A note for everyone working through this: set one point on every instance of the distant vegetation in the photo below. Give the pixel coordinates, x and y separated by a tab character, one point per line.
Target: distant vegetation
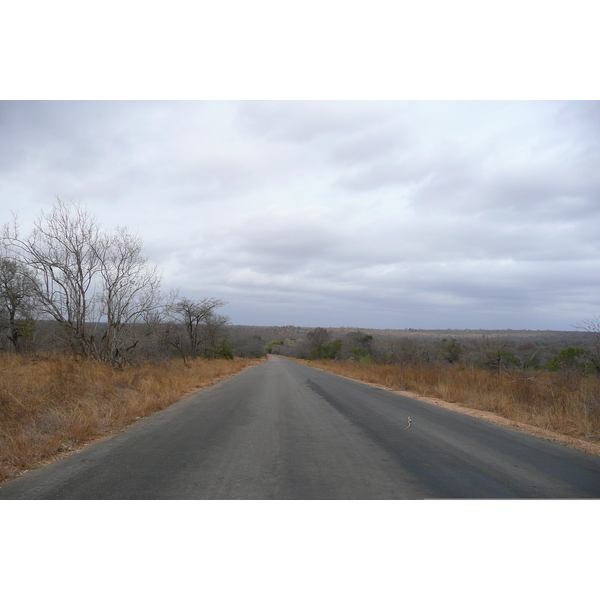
494	351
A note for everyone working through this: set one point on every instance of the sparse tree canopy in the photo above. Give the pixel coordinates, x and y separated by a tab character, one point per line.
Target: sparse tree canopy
318	336
62	252
84	277
205	330
130	290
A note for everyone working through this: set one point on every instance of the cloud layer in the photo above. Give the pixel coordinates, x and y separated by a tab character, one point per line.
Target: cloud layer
372	214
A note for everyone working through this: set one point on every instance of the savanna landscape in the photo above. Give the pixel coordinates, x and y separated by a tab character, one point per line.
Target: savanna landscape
54	401
91	343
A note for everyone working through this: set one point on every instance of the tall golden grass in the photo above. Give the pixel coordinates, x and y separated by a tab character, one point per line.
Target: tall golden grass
54	404
566	403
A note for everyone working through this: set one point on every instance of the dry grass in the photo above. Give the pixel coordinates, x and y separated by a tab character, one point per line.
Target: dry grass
558	402
53	405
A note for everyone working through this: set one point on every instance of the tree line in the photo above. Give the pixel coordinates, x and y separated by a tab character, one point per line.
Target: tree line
101	293
493	353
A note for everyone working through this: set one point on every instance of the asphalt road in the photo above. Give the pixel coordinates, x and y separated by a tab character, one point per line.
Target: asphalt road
282	430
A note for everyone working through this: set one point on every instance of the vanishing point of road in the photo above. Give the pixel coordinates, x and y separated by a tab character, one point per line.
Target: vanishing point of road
282	430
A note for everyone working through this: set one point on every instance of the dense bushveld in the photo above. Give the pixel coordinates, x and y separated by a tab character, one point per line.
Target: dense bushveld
52	404
538	348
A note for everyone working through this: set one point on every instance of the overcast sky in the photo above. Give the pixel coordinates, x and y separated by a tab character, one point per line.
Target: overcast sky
441	214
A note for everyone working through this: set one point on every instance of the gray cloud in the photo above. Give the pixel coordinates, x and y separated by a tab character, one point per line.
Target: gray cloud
383	174
302	122
395	214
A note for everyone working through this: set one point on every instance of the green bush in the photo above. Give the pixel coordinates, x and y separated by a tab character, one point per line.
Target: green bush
225	351
327	351
569	360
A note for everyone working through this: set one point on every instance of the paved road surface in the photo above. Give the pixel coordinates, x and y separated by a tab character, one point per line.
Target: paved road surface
282	430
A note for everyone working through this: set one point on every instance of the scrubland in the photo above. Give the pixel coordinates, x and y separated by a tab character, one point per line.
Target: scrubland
53	404
565	403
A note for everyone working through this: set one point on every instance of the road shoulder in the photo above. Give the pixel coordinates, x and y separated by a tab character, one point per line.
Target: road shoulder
490	417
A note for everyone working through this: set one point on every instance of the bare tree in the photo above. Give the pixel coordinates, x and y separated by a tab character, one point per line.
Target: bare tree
88	280
318	336
61	254
214	337
204	328
130	292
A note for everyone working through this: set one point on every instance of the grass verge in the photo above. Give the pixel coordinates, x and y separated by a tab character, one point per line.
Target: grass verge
54	405
564	404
